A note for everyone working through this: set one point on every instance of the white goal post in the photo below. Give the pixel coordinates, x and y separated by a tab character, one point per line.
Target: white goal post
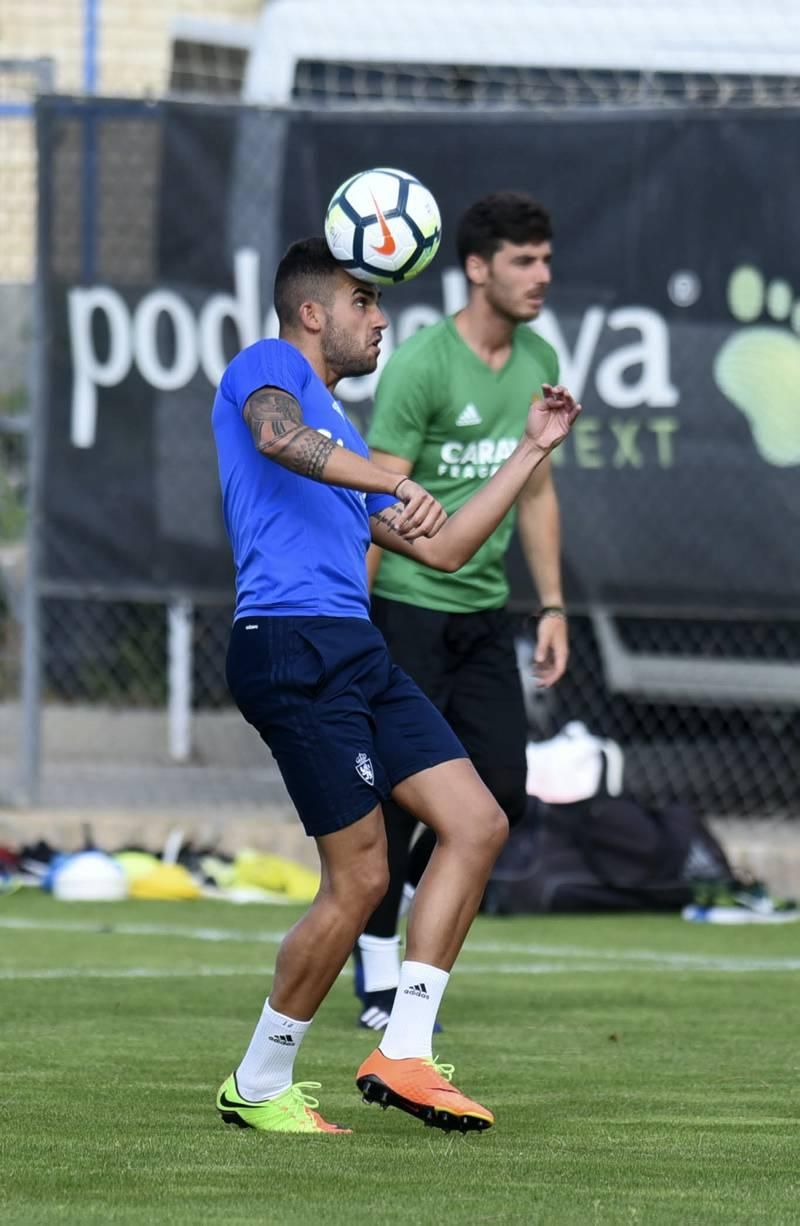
482	44
667	36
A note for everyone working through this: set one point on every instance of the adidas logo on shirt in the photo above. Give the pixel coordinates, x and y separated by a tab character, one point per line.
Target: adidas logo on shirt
469	416
418	989
285	1040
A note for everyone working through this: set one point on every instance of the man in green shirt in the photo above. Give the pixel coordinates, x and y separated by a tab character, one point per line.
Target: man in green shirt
451	405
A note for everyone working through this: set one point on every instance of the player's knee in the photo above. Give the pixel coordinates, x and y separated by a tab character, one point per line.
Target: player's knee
508	789
372	882
477	835
497	830
488	832
357	886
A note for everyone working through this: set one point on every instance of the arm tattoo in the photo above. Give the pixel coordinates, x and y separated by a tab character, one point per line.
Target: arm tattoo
276	423
388	516
308	453
271	414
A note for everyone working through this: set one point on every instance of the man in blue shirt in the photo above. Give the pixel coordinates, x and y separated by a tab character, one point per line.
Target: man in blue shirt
302	501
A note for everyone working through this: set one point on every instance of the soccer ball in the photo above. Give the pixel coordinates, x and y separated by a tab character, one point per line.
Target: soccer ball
383	226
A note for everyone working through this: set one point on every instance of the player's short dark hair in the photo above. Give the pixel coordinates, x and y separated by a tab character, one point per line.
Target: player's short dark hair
306	272
512	217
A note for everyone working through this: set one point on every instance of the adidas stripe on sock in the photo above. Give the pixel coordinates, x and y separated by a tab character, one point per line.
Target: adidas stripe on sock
374	1017
410	1029
268	1063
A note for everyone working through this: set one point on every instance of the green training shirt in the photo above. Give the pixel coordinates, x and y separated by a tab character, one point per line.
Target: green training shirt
439	406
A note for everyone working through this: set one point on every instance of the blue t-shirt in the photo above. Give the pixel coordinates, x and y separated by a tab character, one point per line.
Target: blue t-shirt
299	546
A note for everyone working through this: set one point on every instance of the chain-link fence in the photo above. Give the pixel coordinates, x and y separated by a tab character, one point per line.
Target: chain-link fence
723	753
322	82
110	740
134	709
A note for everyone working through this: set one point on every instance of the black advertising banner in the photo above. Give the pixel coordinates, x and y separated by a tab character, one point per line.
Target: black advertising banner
136	287
674	311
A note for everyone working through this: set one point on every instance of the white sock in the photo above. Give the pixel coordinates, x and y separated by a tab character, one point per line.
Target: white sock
380	957
266	1069
410	1029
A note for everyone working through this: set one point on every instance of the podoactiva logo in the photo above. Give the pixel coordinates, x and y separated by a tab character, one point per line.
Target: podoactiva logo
624	353
758	366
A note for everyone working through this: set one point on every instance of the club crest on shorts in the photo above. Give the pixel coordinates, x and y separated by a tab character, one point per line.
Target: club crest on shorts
364	768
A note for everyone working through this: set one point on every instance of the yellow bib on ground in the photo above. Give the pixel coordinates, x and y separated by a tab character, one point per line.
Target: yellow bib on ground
165	881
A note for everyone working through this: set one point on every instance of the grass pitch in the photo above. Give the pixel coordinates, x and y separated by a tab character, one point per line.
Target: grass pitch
642	1070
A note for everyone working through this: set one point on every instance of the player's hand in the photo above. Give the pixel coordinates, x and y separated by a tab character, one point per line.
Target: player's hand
552	650
550	417
419	514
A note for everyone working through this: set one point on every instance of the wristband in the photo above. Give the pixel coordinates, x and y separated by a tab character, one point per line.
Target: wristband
552	610
397	487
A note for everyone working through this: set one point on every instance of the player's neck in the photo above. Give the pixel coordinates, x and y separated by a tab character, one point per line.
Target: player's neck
488	334
313	355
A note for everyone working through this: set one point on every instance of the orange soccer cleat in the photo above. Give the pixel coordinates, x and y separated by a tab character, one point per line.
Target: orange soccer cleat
423	1089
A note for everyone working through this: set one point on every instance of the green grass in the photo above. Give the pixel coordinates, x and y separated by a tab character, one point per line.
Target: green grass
643	1070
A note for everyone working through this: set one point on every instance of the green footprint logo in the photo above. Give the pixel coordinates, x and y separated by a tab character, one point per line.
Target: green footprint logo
758	368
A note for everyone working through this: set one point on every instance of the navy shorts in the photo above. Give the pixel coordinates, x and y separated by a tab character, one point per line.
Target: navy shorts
344	724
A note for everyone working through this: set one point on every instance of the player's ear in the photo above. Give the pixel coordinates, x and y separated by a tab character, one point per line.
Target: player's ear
311	316
477	269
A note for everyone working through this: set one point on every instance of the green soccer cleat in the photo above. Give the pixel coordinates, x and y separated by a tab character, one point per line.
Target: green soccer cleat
292	1111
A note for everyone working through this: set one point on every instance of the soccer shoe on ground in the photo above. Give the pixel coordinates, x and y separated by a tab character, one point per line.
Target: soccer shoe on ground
423	1089
292	1111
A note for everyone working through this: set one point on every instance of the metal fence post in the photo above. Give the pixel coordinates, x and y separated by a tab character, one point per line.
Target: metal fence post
31	604
180	619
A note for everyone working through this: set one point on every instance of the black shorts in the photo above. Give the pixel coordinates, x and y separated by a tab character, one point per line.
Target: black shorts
466	663
345	725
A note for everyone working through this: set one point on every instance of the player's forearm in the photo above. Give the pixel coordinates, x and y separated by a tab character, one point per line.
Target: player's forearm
310	454
474	522
540	537
276	423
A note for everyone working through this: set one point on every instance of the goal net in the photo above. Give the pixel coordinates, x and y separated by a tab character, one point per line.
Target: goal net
646	53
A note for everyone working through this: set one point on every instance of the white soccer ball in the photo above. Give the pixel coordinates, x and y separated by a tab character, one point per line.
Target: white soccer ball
383	226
